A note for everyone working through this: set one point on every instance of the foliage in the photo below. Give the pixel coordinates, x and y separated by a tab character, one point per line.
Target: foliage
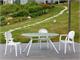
2	21
20	13
32	9
47	6
9	8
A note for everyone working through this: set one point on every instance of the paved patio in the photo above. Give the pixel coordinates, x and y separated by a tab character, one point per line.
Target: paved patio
41	54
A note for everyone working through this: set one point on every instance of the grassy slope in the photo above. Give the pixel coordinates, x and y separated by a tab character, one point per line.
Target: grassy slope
61	26
75	19
52	12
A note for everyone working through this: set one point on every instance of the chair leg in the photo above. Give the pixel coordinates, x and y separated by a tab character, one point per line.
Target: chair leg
40	44
59	46
73	48
54	46
29	47
47	43
69	46
20	48
10	49
26	47
65	48
16	50
5	49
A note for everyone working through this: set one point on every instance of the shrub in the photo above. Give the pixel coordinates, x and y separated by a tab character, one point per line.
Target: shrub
32	4
56	2
8	8
39	13
2	18
45	11
47	6
2	21
20	13
16	10
32	9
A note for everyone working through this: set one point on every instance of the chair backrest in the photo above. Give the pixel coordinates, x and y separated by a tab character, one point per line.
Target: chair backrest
8	37
43	31
71	35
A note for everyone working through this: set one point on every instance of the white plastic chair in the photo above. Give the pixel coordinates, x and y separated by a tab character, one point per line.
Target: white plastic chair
42	38
10	43
68	40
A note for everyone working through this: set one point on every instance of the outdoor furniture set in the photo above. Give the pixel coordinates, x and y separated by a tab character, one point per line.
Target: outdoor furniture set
42	35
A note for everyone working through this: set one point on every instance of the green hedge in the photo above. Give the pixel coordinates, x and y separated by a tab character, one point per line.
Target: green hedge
40	12
16	10
20	13
8	8
2	21
32	9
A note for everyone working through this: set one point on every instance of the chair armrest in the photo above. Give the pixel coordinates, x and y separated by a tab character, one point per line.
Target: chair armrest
62	35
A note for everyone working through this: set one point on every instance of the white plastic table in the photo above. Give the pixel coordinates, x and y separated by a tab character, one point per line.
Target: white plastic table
31	35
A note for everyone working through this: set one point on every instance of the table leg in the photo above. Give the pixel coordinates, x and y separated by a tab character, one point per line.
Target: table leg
53	46
26	47
29	47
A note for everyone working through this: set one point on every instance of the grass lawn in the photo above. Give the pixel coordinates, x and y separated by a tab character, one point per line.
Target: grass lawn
61	25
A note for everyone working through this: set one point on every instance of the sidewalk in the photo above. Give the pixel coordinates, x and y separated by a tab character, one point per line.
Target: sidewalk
41	54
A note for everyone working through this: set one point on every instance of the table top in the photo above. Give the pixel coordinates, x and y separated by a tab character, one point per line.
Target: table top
39	34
